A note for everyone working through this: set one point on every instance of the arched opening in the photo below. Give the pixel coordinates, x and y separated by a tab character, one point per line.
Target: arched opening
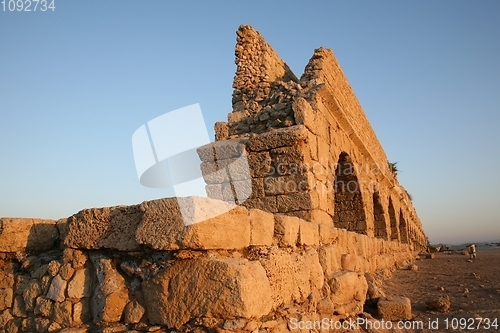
393	222
379	218
403	228
349	212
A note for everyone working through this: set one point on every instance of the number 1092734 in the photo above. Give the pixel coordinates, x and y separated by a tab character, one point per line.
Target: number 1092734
28	5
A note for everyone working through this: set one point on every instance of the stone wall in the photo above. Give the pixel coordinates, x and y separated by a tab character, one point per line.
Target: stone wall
139	268
311	150
312	215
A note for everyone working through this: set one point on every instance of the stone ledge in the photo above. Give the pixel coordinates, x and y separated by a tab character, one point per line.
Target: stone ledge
25	234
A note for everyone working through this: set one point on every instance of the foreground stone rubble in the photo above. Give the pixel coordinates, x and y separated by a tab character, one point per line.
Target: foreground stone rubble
281	255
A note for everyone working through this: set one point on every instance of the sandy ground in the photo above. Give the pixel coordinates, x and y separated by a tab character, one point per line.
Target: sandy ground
473	287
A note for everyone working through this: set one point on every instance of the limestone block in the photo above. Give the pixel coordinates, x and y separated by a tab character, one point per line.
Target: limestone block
221	150
6	278
25	234
348	290
292	276
304	114
163	226
81	312
133	312
80	284
293	202
62	227
308	233
214	191
53	267
63	313
221	130
349	262
213	173
267	204
19	308
395	308
221	288
41	324
77	258
6	298
57	289
327	233
66	271
43	307
282	137
109	228
5	317
258	190
259	164
329	258
261	227
32	290
321	217
111	294
286	230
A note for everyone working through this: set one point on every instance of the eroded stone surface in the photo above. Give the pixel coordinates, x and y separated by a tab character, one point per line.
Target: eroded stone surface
203	287
25	234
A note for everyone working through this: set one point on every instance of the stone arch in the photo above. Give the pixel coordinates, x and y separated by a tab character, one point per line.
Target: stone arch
393	221
403	228
379	218
349	212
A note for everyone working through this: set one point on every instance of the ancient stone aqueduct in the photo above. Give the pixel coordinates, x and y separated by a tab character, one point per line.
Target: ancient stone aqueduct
319	214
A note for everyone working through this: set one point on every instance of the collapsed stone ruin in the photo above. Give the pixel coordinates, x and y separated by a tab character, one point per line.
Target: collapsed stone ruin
313	213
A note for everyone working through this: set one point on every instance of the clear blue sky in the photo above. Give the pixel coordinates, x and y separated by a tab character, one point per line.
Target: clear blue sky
77	82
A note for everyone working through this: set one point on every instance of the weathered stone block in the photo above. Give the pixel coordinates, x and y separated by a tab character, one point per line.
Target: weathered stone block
133	312
111	294
57	289
293	202
350	262
282	137
6	298
286	230
221	130
321	217
163	226
32	290
109	227
63	313
304	114
395	308
293	276
261	227
267	204
327	234
80	284
43	307
221	150
259	164
25	234
223	288
329	258
348	291
308	233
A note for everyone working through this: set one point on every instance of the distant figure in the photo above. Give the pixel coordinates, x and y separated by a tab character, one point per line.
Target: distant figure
472	251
